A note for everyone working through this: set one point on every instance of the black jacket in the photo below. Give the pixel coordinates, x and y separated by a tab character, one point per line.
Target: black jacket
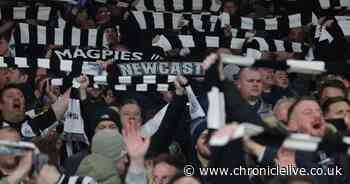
32	127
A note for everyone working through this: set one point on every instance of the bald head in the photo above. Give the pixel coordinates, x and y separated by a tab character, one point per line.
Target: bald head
250	83
305	116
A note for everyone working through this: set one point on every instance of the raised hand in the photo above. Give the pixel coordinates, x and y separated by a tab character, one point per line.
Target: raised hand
179	83
22	170
50	92
61	105
104	64
136	145
84	82
211	60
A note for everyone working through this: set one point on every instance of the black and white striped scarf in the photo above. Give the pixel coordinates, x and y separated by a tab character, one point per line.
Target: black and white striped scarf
68	36
178	5
291	65
41	13
268	24
64	179
167	21
169	42
326	4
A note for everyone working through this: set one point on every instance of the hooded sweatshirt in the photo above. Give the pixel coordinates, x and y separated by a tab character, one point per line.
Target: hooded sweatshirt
107	147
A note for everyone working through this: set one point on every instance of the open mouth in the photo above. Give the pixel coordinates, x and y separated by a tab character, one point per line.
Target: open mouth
16	106
317	126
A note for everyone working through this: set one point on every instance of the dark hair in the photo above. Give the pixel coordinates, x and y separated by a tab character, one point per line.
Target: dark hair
236	2
105	91
330	101
175	161
303	98
129	101
291	179
7	87
333	84
180	175
6	35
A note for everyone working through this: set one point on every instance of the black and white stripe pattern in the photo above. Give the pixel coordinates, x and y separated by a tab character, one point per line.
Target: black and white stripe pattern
178	5
144	87
64	179
188	41
68	36
145	79
326	4
124	87
149	21
155	57
240	33
262	44
295	66
114	80
169	42
268	24
77	66
42	13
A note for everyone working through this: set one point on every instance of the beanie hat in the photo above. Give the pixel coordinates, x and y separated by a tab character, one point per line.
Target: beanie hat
109	143
107	114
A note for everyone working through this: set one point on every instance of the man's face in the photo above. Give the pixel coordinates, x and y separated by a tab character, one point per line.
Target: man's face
103	15
111	36
267	76
4	47
162	173
130	113
307	118
202	146
8	163
3	77
103	125
167	96
329	92
281	79
13	103
109	98
296	35
93	92
40	73
186	180
338	110
250	84
14	76
230	8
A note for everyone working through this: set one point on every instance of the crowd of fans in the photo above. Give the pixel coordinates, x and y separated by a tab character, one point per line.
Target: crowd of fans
113	149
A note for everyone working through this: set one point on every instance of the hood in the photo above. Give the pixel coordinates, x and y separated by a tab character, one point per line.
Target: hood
100	168
108	143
